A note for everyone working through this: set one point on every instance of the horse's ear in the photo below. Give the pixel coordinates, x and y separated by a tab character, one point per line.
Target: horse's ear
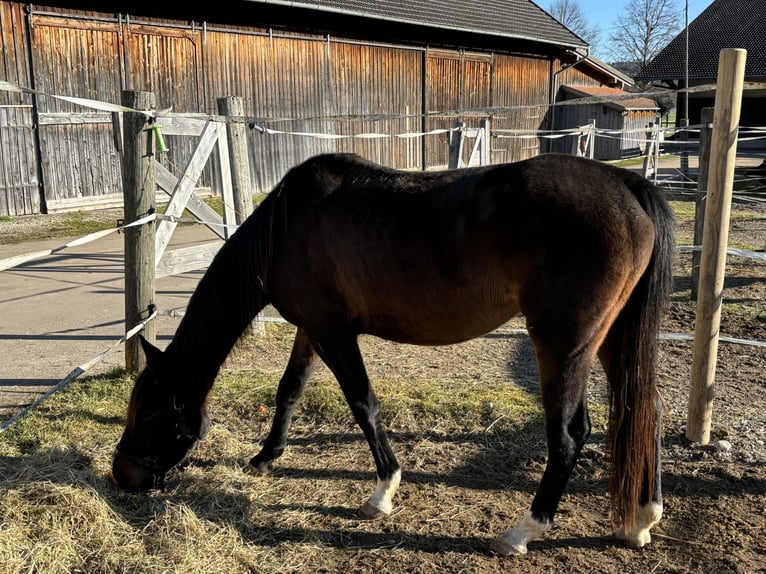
153	354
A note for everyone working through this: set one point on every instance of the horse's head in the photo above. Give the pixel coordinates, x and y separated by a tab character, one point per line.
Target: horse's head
163	424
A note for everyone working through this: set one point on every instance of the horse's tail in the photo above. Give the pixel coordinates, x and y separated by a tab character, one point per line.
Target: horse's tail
634	416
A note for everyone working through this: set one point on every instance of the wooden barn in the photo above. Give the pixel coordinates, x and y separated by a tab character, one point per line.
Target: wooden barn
621	119
324	68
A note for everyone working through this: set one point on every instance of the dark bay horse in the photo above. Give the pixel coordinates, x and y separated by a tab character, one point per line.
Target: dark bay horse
343	247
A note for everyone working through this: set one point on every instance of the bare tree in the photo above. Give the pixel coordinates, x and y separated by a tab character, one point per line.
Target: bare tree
569	13
644	28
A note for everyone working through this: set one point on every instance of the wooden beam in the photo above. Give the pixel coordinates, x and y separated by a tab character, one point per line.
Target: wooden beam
723	155
139	200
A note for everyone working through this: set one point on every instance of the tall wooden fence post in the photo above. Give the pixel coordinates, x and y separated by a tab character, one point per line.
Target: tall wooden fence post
723	155
233	109
485	151
455	139
139	191
706	133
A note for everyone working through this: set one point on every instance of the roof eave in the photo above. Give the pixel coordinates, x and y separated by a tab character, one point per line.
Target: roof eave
609	70
358	14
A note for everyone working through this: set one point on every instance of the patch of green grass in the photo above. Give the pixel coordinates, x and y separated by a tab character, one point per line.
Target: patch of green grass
216	203
746	246
747	216
744	312
89	409
460	407
629	162
78	223
682	208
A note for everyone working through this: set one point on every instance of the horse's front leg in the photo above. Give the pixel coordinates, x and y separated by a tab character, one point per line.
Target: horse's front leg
289	392
340	351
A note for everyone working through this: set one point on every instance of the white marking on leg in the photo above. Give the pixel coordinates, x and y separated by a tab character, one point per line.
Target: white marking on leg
381	502
514	540
646	517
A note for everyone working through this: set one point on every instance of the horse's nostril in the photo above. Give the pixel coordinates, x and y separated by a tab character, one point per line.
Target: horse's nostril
131	476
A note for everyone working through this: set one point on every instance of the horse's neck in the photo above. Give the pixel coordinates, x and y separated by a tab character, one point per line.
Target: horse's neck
224	303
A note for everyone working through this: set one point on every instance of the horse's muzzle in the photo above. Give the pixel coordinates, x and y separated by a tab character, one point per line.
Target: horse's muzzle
133	476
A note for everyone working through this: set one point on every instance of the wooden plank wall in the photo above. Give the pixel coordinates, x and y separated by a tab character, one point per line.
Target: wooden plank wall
520	83
454	81
19	182
332	87
567	115
14	66
288	82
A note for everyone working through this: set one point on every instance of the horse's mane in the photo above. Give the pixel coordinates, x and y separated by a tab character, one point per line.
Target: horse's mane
228	297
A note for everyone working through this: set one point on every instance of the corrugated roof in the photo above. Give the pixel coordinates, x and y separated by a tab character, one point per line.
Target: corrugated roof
624	102
723	24
518	19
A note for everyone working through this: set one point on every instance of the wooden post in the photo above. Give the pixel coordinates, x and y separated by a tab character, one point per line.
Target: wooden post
456	139
484	150
650	165
723	154
139	190
232	108
706	133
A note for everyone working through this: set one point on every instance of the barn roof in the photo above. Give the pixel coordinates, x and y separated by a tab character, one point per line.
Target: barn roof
624	103
516	19
723	24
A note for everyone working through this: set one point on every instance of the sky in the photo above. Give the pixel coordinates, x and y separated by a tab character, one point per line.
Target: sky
603	13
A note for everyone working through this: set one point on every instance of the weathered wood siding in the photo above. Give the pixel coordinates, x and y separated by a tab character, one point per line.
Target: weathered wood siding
77	156
296	83
607	146
332	88
19	181
19	184
522	85
454	81
563	115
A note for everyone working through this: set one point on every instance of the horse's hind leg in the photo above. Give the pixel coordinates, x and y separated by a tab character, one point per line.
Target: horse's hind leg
563	380
289	392
340	351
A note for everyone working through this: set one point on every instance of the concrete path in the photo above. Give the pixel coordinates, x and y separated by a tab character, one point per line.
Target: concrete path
62	311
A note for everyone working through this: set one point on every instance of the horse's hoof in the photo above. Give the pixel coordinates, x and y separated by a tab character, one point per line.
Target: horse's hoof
370	512
648	516
259	468
506	548
637	539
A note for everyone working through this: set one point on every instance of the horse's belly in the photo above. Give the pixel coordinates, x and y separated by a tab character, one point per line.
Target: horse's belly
436	322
